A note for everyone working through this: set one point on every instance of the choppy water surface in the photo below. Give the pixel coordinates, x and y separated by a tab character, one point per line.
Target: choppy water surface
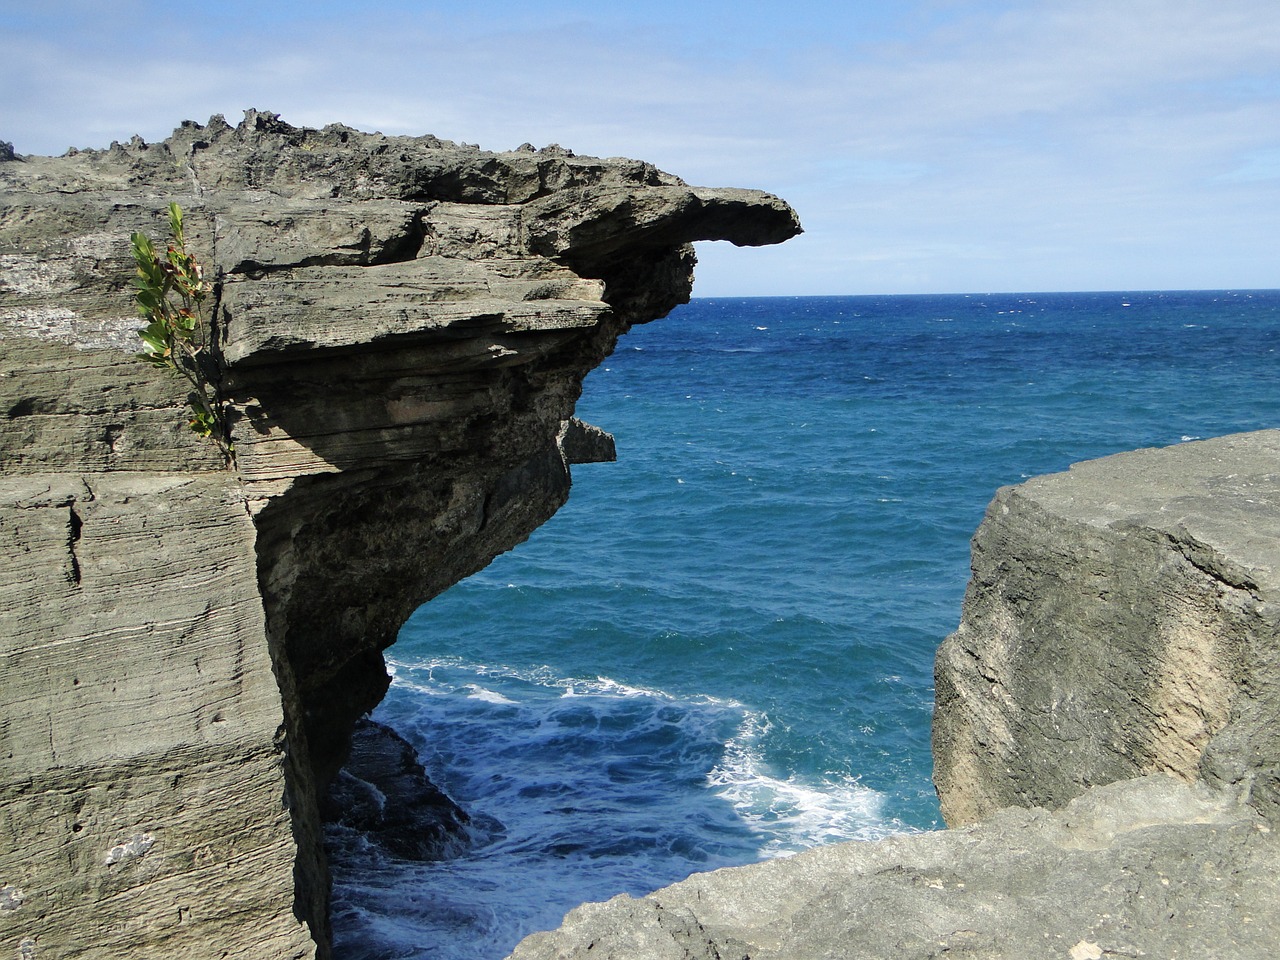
721	648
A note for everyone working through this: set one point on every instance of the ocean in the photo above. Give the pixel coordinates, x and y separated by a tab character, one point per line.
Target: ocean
721	649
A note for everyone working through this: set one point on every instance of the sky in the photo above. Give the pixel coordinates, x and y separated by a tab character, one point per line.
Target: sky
929	146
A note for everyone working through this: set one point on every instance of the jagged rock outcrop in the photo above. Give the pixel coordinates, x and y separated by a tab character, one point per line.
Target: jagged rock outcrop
1122	619
1118	662
404	325
383	793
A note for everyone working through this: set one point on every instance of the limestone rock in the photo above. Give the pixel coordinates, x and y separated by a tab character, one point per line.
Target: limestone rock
142	789
403	326
1122	619
1148	867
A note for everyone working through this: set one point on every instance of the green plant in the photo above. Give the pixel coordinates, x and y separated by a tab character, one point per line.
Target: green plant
171	291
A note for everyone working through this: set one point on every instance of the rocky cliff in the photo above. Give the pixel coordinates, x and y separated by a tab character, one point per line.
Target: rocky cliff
402	327
1106	741
1122	619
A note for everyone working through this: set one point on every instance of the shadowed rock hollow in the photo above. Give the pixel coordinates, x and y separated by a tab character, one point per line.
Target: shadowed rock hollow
404	325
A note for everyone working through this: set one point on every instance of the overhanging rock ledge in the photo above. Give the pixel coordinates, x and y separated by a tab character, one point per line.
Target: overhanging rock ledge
404	325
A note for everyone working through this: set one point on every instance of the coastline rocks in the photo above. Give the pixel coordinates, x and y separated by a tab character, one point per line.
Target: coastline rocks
403	326
1122	619
144	807
382	792
1149	867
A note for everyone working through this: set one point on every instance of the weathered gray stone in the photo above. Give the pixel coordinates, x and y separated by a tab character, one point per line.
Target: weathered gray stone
141	781
1122	619
1145	868
403	326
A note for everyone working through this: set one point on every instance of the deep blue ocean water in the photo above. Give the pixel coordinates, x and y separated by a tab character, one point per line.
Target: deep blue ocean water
721	649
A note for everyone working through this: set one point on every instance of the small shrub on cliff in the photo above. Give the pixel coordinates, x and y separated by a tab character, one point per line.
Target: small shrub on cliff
171	291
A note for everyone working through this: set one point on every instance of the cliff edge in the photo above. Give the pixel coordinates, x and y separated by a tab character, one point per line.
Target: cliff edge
402	327
1122	619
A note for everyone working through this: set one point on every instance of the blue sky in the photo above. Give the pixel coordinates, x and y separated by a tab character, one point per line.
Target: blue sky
929	145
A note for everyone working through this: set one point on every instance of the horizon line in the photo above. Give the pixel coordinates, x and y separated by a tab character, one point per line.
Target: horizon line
988	293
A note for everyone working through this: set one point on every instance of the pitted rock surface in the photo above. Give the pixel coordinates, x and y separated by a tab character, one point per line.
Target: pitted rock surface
1144	868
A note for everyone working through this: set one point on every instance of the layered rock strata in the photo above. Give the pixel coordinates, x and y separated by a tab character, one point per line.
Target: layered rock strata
403	326
1122	619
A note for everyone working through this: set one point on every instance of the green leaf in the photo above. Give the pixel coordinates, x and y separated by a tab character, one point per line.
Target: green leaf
149	301
144	252
154	333
144	255
155	336
175	223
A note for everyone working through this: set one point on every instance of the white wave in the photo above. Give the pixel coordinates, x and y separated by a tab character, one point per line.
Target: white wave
437	675
599	787
488	696
604	686
793	814
785	812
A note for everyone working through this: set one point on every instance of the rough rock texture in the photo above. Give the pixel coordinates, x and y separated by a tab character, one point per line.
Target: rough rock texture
142	797
1122	619
404	326
383	792
1145	868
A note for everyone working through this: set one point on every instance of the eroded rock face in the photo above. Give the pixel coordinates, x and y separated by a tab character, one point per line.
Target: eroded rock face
1122	619
404	326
